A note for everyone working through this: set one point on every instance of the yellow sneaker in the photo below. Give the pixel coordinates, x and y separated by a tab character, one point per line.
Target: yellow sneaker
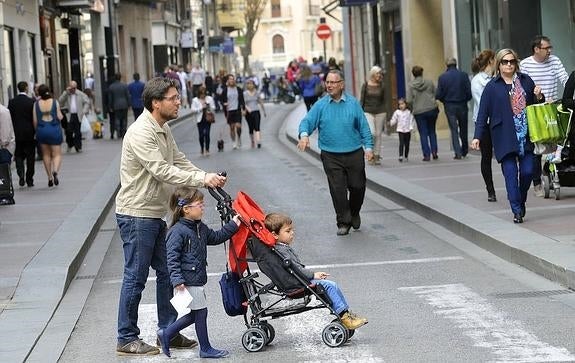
352	321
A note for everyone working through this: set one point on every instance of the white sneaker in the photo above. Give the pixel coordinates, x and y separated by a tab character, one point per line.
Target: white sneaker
538	190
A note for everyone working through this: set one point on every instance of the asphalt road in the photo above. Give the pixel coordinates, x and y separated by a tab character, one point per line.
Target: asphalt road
429	295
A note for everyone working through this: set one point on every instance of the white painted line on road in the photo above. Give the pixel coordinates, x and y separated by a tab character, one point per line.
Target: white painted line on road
340	265
487	327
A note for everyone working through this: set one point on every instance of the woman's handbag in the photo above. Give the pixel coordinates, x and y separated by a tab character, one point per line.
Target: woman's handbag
543	123
210	117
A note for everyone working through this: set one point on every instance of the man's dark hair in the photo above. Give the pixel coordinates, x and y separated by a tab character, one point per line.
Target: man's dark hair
118	76
417	71
136	76
536	42
22	86
156	89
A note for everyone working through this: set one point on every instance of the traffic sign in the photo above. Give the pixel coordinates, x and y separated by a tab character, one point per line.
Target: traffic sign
323	31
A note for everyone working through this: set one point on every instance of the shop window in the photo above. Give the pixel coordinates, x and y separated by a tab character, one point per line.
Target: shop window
9	76
278	44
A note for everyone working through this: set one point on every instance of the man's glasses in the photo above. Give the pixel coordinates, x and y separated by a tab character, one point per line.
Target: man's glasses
509	61
549	48
329	83
174	98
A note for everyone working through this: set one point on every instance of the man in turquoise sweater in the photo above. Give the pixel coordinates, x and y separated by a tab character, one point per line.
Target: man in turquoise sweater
344	135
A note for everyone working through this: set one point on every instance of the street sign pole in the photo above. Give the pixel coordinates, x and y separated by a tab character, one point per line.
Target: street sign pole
324	53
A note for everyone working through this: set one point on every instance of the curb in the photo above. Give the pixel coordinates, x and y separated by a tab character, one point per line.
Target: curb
46	278
533	251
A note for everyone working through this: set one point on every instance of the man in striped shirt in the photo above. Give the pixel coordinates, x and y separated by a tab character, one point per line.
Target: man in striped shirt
547	71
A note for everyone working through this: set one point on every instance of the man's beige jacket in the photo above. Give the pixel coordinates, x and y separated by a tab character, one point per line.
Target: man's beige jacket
151	165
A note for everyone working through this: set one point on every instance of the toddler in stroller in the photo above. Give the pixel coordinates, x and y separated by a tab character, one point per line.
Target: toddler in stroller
281	227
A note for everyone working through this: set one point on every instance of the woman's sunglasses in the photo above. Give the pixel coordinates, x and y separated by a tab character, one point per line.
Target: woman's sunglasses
509	61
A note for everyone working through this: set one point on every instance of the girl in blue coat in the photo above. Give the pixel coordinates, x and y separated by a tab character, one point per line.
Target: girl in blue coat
502	110
186	243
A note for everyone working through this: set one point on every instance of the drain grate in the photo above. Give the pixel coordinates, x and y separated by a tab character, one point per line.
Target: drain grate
527	294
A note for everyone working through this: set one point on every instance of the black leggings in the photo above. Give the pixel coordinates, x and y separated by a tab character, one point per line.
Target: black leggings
253	119
404	139
486	156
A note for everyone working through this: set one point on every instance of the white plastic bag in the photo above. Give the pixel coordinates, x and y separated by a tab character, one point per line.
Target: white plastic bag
85	127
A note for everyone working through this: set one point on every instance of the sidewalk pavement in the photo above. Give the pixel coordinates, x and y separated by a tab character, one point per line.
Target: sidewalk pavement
45	235
452	193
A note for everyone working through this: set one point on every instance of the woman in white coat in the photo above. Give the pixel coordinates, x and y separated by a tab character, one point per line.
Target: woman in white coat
203	108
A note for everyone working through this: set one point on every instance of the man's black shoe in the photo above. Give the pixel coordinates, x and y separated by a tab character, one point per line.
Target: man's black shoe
343	230
517	218
491	198
355	221
22	182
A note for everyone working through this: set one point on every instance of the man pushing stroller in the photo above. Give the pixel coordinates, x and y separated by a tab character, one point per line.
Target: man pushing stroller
280	226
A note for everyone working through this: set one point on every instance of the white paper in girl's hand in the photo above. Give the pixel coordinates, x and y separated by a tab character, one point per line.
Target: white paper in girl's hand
181	301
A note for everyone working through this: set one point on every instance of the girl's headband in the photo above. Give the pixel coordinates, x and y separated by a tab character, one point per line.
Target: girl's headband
182	202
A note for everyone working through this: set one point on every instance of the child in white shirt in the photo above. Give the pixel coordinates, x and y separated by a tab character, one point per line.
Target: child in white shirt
405	121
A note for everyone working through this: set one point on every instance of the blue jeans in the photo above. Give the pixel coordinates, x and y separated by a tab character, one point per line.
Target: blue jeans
144	246
427	136
338	302
518	173
457	118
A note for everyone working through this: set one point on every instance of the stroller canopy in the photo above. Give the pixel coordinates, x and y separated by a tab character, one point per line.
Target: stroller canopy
252	218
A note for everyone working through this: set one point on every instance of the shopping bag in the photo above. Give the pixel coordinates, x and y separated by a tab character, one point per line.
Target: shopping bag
233	295
543	123
85	125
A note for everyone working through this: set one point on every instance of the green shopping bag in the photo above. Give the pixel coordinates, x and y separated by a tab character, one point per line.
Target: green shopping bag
563	117
543	123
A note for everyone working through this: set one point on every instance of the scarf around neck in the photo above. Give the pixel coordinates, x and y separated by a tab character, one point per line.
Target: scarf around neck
518	104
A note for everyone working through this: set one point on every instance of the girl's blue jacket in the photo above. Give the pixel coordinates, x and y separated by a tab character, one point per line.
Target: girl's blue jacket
186	244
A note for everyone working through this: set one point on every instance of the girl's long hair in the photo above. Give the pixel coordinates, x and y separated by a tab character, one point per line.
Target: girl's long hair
183	196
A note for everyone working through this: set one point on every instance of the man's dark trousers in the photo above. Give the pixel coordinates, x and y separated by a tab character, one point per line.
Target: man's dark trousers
25	152
456	113
73	135
345	174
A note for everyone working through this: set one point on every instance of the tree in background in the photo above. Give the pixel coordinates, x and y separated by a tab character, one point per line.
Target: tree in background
252	14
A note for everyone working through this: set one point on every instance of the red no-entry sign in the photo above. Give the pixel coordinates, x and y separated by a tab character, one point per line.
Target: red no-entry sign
323	31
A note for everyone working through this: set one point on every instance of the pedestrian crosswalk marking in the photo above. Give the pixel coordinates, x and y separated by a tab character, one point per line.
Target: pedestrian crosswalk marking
488	327
342	265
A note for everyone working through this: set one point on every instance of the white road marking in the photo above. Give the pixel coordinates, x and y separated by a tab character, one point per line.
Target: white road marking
487	327
340	265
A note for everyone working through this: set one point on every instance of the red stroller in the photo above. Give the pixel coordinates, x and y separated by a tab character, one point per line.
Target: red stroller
254	238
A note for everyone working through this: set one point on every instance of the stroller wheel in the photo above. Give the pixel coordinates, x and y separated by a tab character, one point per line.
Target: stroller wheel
334	335
350	332
254	339
270	331
546	181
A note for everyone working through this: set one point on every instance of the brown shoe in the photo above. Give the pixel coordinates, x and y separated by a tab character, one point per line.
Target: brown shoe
136	347
180	342
352	321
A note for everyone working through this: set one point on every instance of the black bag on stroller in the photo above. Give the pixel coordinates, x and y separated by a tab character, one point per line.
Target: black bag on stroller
232	294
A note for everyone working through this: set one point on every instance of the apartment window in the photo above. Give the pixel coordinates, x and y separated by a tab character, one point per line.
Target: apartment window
31	47
276	8
9	75
278	44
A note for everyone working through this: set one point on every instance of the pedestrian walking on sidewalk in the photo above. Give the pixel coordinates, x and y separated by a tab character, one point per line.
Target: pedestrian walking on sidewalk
150	164
373	103
201	107
502	110
136	88
47	117
547	71
252	113
77	105
232	99
421	97
119	100
187	242
454	91
404	120
343	135
7	146
484	67
22	112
